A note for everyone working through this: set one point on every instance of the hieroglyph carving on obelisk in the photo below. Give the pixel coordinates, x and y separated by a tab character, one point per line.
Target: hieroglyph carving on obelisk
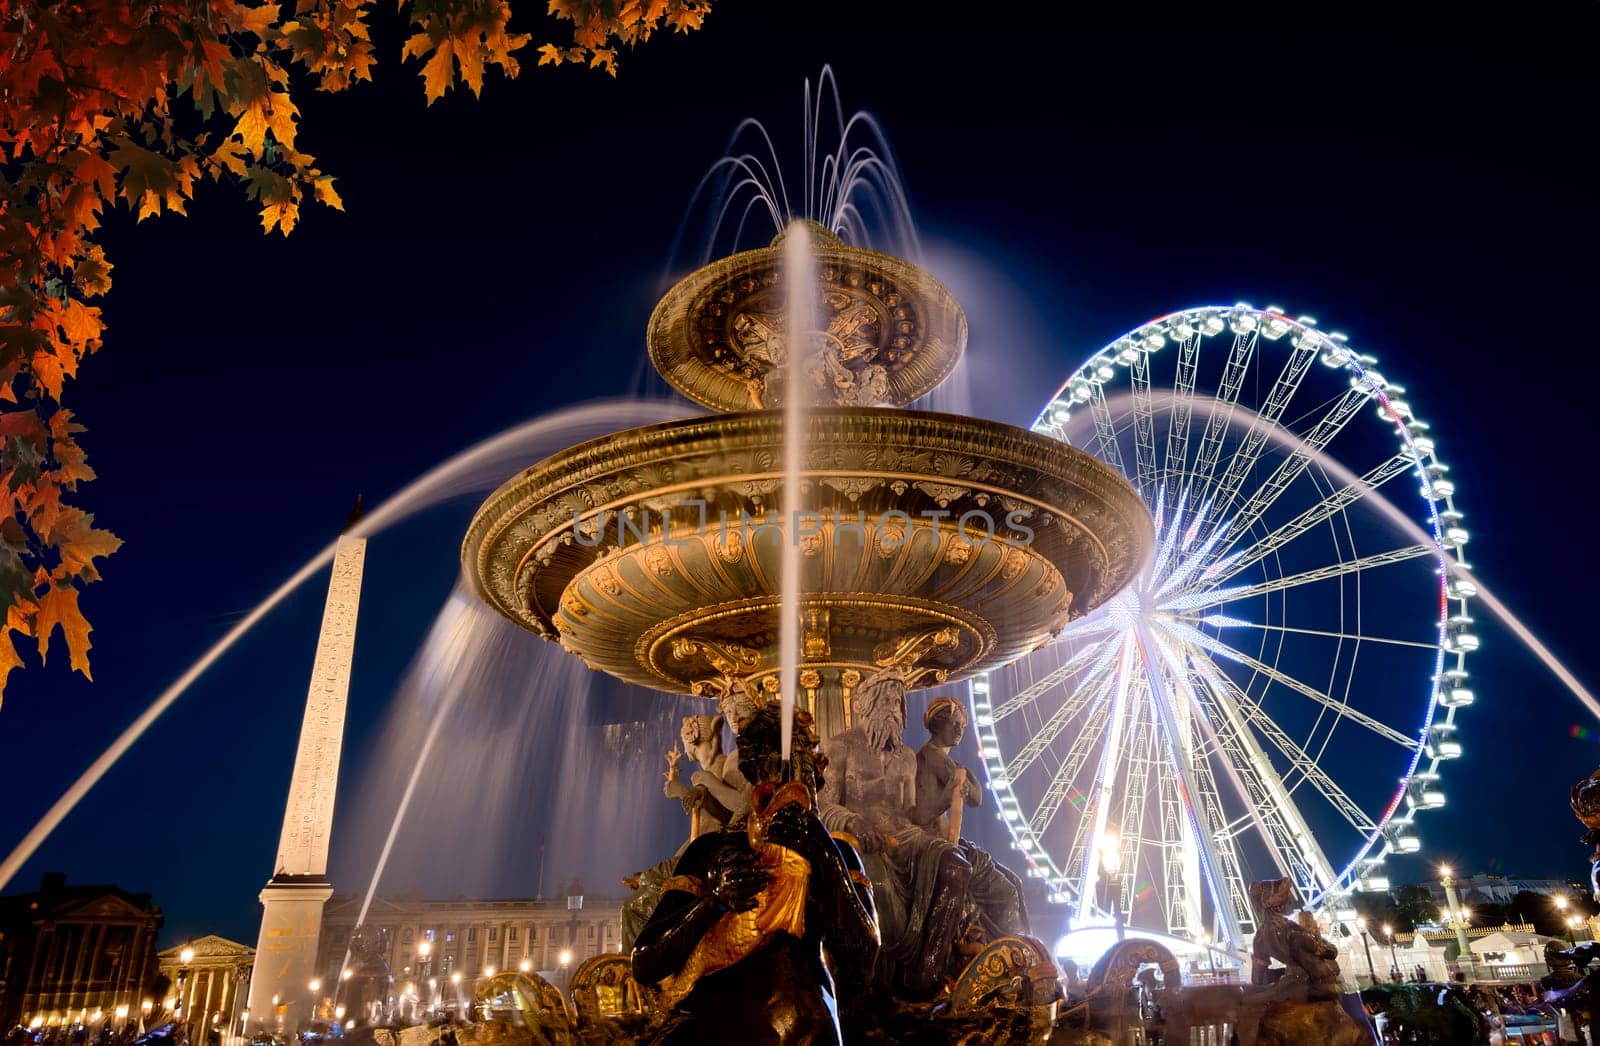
308	819
282	999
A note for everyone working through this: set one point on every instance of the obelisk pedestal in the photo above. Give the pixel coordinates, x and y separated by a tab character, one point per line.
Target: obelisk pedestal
282	999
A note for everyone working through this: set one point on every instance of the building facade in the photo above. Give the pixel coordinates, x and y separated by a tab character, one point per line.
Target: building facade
76	954
208	982
430	941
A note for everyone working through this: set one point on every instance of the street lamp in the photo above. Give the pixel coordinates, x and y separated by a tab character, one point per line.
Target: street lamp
1450	900
185	957
565	958
525	966
1394	960
1366	944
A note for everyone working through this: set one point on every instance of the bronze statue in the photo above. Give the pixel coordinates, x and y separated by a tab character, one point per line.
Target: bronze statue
715	794
735	949
922	884
1309	960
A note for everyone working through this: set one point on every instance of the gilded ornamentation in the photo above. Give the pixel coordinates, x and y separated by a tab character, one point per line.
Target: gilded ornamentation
606	582
603	986
1016	563
810	678
890	332
731	549
659	560
957	552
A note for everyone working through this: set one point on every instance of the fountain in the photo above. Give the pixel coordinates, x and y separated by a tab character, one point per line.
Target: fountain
816	546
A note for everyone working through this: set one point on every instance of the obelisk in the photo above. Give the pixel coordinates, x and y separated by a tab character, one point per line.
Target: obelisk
281	997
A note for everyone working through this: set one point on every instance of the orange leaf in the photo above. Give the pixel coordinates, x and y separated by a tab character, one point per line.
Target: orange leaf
549	54
8	661
437	74
59	606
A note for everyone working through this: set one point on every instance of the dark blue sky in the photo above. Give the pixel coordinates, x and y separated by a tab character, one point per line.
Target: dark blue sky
1427	188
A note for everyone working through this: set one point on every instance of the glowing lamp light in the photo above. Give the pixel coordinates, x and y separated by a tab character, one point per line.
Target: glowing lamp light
186	956
1560	902
565	957
1444	871
423	948
338	1013
525	966
488	971
122	1012
455	978
346	973
315	985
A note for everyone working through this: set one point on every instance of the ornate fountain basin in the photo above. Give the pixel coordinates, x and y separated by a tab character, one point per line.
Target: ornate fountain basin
654	554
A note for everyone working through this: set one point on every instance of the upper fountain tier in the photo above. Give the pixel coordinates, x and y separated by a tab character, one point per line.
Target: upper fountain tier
888	331
943	545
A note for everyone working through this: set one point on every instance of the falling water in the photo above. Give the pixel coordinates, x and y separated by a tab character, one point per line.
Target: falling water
1396	515
800	293
478	468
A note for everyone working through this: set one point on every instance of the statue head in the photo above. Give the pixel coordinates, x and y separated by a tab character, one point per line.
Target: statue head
738	705
1273	895
880	706
702	737
760	744
946	720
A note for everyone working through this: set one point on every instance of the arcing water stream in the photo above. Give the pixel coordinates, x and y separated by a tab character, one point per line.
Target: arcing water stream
1395	515
478	468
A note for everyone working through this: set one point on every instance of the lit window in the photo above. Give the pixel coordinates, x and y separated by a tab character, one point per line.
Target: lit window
472	934
533	934
511	933
494	933
591	933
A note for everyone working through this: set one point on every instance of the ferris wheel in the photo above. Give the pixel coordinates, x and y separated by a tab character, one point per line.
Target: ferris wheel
1275	695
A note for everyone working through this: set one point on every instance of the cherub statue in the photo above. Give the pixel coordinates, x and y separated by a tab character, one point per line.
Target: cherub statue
1308	958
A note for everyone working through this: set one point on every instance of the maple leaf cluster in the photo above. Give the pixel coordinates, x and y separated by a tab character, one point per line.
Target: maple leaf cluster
136	101
600	27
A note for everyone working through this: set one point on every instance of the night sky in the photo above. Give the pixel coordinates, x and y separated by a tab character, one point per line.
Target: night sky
1429	189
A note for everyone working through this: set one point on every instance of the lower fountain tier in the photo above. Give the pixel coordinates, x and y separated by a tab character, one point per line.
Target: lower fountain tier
654	554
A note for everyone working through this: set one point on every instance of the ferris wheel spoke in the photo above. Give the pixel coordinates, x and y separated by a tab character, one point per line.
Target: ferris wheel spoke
1223	403
1244	461
1144	426
1072	765
1220	596
1136	789
1214	820
1353	636
1288	470
1300	761
1040	742
1280	822
1340	708
1308	520
1175	463
1052	679
1105	432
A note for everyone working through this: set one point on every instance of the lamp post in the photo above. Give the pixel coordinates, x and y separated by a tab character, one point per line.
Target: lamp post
1366	944
1573	922
1394	960
185	957
566	960
1451	901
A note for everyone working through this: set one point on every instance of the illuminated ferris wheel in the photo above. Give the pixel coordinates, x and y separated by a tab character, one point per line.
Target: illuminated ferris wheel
1276	694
